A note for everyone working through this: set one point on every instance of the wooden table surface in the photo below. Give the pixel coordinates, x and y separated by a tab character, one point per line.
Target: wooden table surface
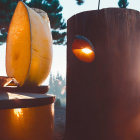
9	100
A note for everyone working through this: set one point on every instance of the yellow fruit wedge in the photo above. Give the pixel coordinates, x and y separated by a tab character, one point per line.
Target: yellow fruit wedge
29	46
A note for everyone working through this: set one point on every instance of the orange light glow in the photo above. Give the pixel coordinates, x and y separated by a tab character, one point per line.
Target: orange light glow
85	55
82	48
86	50
18	112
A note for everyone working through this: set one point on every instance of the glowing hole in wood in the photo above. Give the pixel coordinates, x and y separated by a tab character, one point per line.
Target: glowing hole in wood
18	112
83	49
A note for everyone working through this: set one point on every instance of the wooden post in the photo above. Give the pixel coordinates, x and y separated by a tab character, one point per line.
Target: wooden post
103	97
26	116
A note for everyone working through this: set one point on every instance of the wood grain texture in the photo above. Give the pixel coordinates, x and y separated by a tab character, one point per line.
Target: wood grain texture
35	123
103	97
25	89
10	100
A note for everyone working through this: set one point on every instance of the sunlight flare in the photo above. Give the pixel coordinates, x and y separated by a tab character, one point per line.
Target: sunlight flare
18	112
86	50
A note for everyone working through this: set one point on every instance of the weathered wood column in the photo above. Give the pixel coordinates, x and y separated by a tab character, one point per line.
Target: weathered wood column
103	97
26	116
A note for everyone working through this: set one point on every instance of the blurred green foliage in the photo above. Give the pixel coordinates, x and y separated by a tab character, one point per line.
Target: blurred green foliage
80	2
53	9
57	87
123	3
